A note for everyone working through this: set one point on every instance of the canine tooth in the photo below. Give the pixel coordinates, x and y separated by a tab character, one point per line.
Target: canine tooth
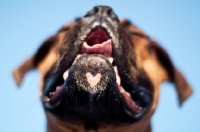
78	56
65	75
111	60
118	79
51	94
140	108
136	116
128	112
46	99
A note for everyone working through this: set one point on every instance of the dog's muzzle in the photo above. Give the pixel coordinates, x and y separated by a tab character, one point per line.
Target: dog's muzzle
93	80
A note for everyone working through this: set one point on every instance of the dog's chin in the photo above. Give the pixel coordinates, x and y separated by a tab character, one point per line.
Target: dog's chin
91	88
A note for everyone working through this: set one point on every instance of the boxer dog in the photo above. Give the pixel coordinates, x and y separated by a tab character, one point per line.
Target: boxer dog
101	74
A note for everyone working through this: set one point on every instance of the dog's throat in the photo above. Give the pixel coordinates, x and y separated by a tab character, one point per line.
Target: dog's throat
97	37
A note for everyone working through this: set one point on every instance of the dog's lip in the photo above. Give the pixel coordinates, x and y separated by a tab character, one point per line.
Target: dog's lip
54	98
131	107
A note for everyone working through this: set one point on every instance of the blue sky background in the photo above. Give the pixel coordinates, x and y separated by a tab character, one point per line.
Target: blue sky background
24	25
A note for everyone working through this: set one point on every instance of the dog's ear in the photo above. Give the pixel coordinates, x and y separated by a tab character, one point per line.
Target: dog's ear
182	87
33	61
36	60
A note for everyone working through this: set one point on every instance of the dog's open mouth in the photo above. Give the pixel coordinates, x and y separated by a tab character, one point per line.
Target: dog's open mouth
96	49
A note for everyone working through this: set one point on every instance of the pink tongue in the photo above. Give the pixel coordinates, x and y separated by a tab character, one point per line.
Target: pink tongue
105	48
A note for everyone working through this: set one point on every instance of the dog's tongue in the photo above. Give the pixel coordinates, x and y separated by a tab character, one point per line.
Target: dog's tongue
104	48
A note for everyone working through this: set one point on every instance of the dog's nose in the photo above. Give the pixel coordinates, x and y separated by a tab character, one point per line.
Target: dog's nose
101	11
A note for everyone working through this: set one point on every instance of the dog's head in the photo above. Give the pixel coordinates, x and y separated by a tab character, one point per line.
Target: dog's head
102	70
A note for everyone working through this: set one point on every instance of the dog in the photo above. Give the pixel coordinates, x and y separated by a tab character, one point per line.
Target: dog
101	74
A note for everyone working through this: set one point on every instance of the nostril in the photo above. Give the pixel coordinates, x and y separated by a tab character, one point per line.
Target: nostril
102	11
109	12
96	10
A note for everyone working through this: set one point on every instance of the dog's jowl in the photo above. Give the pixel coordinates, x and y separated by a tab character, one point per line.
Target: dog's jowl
104	75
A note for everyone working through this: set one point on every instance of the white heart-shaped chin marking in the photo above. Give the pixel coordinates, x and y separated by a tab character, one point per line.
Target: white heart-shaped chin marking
93	80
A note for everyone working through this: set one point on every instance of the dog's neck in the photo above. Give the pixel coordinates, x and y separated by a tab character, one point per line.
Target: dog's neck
55	124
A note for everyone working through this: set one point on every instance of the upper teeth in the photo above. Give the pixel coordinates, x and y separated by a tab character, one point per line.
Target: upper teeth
65	75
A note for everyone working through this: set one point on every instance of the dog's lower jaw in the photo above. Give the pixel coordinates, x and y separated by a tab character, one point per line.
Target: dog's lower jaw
92	92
